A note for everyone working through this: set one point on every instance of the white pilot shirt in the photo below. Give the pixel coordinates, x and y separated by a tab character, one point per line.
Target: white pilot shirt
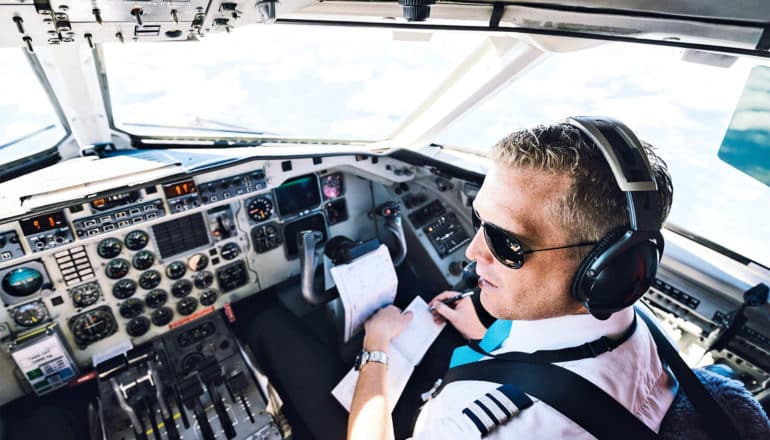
632	374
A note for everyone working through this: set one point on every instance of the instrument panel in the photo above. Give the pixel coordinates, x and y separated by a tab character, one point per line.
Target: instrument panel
116	270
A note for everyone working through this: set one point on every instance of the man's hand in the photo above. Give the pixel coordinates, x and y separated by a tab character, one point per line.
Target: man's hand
369	411
385	325
463	316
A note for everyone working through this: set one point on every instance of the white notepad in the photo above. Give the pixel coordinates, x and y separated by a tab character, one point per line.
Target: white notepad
405	352
365	285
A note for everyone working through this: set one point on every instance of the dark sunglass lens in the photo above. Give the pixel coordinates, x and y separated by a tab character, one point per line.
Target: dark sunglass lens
476	220
505	246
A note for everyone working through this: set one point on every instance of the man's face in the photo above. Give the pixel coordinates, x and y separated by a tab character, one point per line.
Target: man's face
520	200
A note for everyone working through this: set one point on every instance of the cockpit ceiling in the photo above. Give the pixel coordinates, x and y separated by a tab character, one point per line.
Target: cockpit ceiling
713	25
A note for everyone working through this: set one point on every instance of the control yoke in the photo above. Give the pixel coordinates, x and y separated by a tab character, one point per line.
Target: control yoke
308	263
312	289
391	212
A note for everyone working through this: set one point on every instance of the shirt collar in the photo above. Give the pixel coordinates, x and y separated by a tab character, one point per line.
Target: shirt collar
564	331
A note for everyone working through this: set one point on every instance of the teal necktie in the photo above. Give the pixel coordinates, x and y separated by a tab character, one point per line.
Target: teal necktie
493	338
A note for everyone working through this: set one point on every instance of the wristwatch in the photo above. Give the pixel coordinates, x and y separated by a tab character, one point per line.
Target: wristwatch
370	356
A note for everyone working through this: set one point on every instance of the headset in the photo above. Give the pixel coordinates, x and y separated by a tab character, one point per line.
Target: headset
622	265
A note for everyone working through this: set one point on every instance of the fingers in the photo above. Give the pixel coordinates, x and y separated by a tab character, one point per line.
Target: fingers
443	295
445	311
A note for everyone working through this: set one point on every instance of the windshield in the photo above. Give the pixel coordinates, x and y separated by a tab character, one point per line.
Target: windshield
28	122
293	81
681	107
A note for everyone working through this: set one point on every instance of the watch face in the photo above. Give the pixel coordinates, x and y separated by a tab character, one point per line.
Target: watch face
358	363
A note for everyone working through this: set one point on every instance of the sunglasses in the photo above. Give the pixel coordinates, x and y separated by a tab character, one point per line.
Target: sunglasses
506	248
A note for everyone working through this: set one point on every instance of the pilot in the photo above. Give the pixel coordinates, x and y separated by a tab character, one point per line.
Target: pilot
549	196
549	189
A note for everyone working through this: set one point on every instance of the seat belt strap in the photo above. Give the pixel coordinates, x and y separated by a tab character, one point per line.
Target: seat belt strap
569	393
714	418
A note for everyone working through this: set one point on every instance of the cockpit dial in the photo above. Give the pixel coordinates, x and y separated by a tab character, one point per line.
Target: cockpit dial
124	288
143	260
181	288
208	297
109	248
137	326
203	280
176	270
260	209
198	262
22	281
156	298
29	314
137	240
187	305
93	325
161	316
131	308
85	295
117	268
149	279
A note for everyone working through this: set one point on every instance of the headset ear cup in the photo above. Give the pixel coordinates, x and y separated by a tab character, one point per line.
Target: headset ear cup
622	281
578	282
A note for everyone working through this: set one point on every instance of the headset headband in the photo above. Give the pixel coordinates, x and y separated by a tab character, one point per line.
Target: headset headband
629	164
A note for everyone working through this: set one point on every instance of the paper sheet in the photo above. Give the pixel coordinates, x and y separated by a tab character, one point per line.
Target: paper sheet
404	353
365	285
415	340
399	371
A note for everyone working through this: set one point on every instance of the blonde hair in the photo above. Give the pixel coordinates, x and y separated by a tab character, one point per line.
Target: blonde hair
593	205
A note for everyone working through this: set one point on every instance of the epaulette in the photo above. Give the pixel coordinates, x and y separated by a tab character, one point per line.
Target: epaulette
496	407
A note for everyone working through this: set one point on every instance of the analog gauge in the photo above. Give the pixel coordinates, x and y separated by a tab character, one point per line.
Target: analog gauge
260	209
131	307
181	288
93	325
186	305
137	326
198	262
136	240
117	268
203	280
176	270
332	186
208	297
22	281
265	237
27	315
109	248
149	279
124	288
230	251
143	260
162	316
85	295
156	298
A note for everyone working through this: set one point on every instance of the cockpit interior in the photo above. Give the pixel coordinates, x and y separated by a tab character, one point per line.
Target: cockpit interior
138	239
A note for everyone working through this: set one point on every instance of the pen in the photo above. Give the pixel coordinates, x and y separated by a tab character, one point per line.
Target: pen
458	297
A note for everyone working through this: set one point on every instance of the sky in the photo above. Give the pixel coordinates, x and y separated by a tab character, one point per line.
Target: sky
353	84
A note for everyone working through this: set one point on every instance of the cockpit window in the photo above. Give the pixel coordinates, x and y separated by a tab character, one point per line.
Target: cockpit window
292	81
683	108
28	122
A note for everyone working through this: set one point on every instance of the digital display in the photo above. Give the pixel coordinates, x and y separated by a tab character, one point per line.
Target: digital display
42	223
297	195
315	222
115	200
180	189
